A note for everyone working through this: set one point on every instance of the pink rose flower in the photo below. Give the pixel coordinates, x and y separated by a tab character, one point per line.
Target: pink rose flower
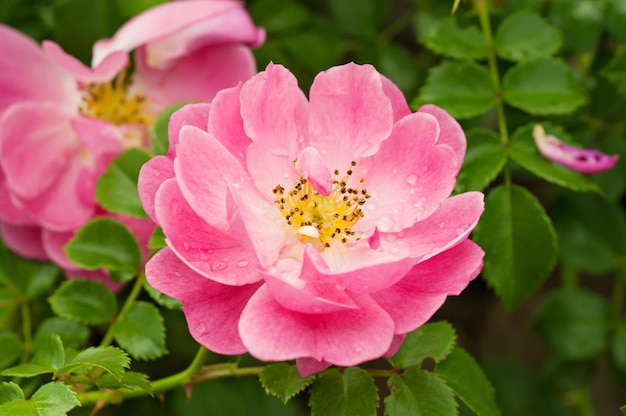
61	123
587	161
320	230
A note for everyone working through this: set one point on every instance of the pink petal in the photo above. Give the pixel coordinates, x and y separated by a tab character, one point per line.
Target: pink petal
203	166
177	28
53	243
223	66
310	165
99	275
398	101
409	177
205	250
35	145
152	174
9	211
298	295
587	161
189	115
398	339
108	69
103	140
350	114
62	206
346	338
358	268
414	299
450	224
225	122
308	366
451	132
212	310
274	111
26	73
24	240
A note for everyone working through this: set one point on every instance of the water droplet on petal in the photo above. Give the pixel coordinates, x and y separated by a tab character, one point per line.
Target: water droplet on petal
216	266
186	245
425	168
242	263
411	179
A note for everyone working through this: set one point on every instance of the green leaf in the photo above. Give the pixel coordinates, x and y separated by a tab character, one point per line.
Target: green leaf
592	232
72	333
10	391
157	239
397	63
484	160
574	323
130	380
524	151
283	381
526	35
47	359
50	353
10	347
104	243
542	86
54	399
40	278
462	88
581	23
159	138
618	349
110	359
419	393
129	9
463	375
446	38
358	17
116	189
615	71
519	242
141	331
513	382
86	301
279	15
18	408
348	393
623	409
161	298
615	19
27	370
433	340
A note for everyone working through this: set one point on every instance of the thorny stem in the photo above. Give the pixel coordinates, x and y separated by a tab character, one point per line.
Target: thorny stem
132	296
485	24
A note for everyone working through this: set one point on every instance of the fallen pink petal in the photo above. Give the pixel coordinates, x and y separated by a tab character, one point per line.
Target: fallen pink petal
319	230
588	161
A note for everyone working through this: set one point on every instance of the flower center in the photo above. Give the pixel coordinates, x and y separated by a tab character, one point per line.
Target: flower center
111	101
319	217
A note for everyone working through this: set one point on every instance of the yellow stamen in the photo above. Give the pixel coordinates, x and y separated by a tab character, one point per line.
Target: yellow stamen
332	216
112	102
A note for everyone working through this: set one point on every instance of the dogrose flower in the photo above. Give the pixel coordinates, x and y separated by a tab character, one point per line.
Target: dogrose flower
61	123
319	230
587	161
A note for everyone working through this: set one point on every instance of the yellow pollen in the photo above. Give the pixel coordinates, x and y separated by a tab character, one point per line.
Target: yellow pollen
111	101
326	218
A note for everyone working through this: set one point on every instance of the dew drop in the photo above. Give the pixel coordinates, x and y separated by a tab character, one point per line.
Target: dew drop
217	266
157	173
411	179
395	171
358	349
186	245
201	329
260	245
242	263
425	168
412	191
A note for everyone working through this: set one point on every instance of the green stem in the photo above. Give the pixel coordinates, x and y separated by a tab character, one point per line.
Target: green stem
619	287
397	26
27	328
584	404
132	296
485	24
569	277
193	374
